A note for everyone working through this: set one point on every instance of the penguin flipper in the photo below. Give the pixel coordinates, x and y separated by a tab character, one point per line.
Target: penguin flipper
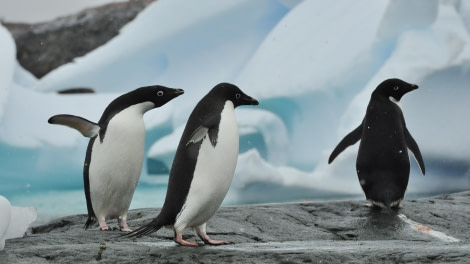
413	146
350	139
198	135
208	126
85	127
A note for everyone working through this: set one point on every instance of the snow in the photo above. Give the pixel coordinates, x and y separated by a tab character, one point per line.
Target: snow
311	64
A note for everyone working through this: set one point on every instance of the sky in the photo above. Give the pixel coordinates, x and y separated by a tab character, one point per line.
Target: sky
15	11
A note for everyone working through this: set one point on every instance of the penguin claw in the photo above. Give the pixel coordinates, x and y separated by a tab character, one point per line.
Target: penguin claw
183	242
104	226
126	229
179	239
217	242
208	241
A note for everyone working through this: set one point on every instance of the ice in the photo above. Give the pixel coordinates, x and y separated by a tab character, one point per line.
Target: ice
164	38
14	221
7	66
21	220
312	47
5	216
311	64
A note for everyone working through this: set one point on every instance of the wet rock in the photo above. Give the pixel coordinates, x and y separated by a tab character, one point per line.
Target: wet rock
45	46
430	230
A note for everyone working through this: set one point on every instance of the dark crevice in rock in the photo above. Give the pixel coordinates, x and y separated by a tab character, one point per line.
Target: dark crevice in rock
51	226
298	220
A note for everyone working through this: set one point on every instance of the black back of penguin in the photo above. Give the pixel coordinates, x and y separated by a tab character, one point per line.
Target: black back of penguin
383	163
206	113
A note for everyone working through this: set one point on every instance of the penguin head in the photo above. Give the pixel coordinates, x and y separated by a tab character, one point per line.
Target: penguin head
157	94
231	92
394	89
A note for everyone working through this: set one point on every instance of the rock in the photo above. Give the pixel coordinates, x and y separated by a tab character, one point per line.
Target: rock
320	232
45	46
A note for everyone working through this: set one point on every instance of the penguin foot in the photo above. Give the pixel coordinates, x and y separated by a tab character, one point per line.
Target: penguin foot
208	241
123	226
213	242
126	229
179	239
104	226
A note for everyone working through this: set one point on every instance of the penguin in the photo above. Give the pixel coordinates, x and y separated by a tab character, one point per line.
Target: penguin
115	152
383	164
203	166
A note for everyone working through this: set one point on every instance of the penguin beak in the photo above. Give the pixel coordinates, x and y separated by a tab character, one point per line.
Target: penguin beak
250	100
414	87
178	92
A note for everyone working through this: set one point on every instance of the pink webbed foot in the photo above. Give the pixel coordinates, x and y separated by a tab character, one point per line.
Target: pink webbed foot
126	229
104	226
179	239
208	241
123	225
201	232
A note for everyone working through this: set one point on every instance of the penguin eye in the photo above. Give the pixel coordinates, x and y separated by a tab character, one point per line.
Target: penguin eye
396	88
237	96
160	93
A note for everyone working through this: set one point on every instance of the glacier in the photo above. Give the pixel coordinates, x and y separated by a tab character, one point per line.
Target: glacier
311	64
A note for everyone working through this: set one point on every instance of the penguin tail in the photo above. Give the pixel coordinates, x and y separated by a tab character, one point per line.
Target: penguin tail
388	207
147	229
89	222
389	202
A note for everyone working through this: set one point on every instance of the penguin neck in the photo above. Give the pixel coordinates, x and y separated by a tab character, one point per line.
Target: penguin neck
143	107
395	101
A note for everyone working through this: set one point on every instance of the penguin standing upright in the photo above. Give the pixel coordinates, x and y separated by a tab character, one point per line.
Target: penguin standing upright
203	166
115	153
383	164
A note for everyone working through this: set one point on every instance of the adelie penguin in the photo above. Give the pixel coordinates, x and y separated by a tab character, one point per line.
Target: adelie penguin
203	166
383	164
115	153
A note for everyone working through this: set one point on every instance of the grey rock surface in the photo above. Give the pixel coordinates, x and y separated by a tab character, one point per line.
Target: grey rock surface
45	46
317	232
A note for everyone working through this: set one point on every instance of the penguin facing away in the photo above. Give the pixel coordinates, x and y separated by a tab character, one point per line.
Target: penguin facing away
383	164
115	153
203	166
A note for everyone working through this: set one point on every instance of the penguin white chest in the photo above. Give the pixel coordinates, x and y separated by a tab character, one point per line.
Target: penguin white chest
116	163
213	173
